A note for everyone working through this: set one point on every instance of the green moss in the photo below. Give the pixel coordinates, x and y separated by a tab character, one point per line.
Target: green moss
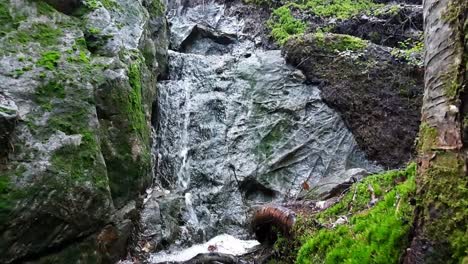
81	57
452	81
49	59
80	163
135	102
410	51
156	8
283	25
455	10
5	202
6	21
391	10
110	4
46	93
342	9
94	31
427	138
375	235
339	42
107	4
446	207
269	141
126	135
8	193
43	33
43	8
7	110
92	4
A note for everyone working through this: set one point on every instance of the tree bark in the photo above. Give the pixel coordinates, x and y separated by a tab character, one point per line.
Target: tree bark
440	229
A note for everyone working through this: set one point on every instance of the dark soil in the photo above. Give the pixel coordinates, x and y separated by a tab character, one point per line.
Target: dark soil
378	97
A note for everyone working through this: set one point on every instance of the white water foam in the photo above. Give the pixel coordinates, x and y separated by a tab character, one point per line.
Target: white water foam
224	243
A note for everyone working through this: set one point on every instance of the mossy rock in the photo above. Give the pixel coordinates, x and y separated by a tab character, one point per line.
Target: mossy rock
371	233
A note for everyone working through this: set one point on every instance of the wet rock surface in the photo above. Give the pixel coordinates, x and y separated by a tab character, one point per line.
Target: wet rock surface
378	97
237	127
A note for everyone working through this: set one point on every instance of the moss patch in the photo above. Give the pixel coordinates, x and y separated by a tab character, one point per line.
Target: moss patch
339	8
6	20
156	8
339	42
9	195
43	33
427	138
445	207
283	25
49	91
373	234
49	60
80	163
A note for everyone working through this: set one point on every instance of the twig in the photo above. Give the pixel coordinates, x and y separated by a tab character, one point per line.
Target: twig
398	202
350	206
373	198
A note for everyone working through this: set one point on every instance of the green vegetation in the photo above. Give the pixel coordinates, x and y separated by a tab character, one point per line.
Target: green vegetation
49	60
341	9
5	19
392	10
47	92
79	163
427	138
43	33
43	8
5	202
135	103
338	8
95	4
446	188
373	233
410	51
283	25
156	8
8	193
339	42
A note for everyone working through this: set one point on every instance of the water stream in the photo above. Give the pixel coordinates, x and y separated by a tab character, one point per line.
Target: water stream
238	127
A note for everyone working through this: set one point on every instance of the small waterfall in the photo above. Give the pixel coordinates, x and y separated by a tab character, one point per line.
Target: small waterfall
237	128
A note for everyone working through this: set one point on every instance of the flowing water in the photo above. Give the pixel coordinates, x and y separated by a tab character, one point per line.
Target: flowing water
237	127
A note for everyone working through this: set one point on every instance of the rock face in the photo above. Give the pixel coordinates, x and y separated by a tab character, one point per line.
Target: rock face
378	97
8	119
76	96
237	127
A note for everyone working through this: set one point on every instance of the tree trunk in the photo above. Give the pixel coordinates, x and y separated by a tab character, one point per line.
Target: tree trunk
440	229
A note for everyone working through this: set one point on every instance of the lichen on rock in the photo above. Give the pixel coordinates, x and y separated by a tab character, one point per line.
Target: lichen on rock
56	161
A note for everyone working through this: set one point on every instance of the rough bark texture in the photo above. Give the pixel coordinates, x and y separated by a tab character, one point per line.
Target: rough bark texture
440	228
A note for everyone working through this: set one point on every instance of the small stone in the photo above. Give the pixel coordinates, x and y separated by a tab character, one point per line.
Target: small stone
453	110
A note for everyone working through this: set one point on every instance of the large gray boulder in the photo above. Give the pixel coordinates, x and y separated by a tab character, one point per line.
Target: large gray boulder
76	98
